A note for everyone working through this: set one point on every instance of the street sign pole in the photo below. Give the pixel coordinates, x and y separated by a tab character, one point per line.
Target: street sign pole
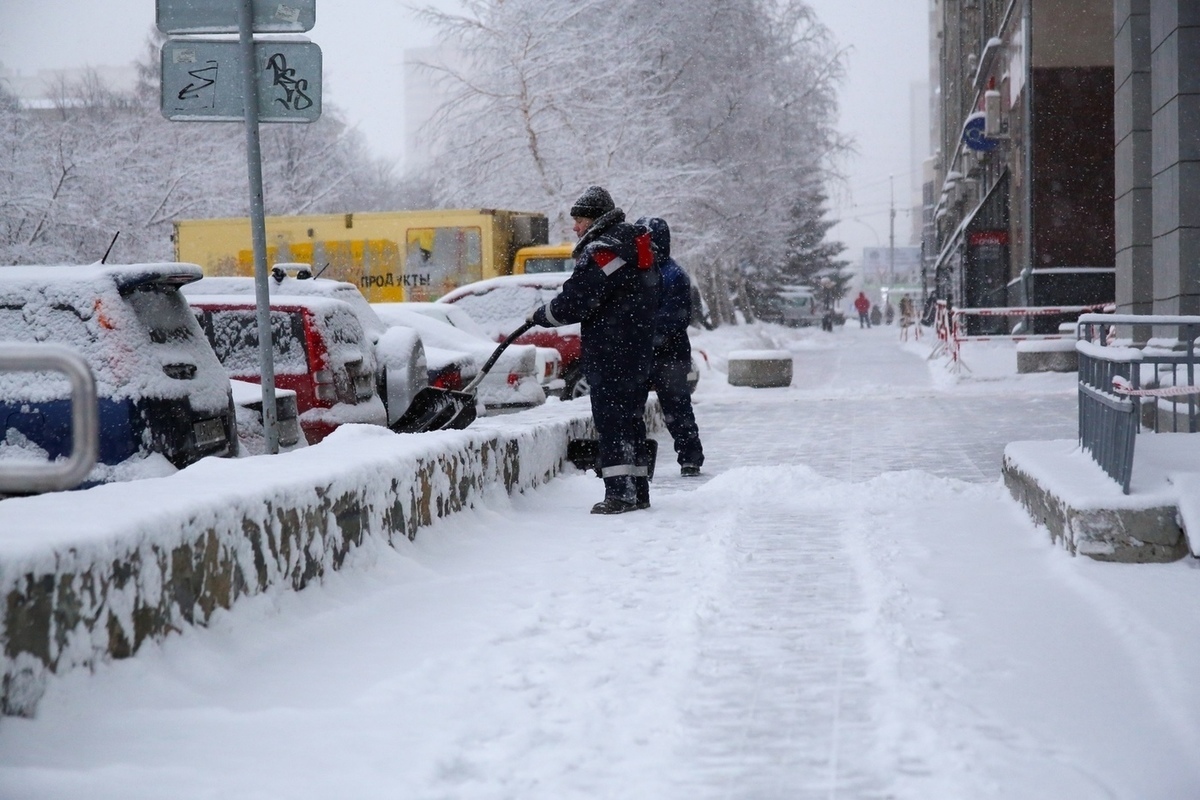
200	82
258	225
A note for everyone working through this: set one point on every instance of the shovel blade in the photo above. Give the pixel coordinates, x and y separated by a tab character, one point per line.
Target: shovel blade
463	418
433	409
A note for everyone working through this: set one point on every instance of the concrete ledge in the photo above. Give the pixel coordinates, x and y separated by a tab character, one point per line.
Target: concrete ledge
1048	355
1085	511
760	369
94	575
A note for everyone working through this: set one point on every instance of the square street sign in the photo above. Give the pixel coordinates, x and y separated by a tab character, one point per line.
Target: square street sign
202	80
221	16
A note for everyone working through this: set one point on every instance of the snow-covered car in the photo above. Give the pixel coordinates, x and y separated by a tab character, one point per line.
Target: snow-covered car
549	360
450	369
511	385
399	355
252	437
320	352
164	400
499	306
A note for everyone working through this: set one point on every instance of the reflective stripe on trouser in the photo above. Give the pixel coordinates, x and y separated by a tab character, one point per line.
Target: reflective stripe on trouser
618	470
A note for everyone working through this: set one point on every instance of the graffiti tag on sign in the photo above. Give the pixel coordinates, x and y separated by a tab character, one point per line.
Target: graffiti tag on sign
294	88
202	80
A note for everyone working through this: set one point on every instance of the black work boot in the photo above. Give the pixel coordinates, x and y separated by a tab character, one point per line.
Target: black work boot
689	470
642	485
619	496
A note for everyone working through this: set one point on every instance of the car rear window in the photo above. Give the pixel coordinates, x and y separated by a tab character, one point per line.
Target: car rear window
233	334
164	312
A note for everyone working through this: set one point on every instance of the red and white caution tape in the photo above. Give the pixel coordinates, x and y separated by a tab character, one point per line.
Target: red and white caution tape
1122	386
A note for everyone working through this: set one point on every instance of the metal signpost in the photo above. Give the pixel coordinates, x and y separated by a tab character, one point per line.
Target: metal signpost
222	80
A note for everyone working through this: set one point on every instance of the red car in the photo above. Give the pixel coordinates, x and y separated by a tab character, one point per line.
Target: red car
500	305
320	350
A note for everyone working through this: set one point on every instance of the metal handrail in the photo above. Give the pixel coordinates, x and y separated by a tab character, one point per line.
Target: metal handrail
1111	390
25	476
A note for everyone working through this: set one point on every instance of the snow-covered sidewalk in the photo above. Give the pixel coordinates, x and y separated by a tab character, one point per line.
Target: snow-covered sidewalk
848	605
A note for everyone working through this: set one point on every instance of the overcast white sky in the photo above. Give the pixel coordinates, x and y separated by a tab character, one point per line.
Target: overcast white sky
362	42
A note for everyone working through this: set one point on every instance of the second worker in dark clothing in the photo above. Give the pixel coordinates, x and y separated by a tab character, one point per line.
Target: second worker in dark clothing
613	294
673	351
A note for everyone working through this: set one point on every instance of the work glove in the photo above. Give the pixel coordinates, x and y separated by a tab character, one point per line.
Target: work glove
538	317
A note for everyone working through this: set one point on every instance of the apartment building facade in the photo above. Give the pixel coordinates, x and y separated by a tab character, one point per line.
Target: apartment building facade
1085	121
1020	205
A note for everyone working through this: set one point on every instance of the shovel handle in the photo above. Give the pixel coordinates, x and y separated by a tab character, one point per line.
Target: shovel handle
487	365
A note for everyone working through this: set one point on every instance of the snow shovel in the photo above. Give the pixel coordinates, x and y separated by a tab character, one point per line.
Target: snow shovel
435	409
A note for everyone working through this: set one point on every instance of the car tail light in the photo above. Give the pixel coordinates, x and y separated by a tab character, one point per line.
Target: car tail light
361	383
449	378
324	388
514	378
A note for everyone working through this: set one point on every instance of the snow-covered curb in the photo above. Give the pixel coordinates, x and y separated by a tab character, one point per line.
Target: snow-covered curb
95	574
1063	489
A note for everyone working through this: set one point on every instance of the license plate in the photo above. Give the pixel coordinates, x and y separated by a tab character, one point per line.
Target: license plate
209	432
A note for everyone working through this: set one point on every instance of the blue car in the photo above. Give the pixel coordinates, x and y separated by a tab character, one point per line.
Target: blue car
163	397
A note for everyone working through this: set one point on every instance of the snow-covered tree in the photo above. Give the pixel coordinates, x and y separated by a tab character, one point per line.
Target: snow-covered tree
811	259
706	112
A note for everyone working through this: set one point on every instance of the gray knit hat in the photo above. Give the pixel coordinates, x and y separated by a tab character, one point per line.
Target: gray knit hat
594	203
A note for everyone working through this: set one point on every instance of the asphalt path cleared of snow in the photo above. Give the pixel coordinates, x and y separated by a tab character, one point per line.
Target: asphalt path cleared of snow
846	605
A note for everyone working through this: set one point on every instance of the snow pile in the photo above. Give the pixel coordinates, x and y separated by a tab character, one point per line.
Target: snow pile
98	576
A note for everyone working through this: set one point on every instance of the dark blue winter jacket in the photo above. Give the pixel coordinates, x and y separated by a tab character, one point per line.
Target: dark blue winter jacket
671	341
613	294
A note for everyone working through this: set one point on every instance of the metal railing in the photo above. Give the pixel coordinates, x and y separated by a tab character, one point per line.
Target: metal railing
1115	377
25	476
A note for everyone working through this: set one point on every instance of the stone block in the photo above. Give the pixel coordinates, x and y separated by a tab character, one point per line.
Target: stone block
1047	359
760	369
1126	535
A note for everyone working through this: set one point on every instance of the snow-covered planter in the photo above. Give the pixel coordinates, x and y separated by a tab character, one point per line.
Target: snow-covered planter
95	574
1047	355
760	369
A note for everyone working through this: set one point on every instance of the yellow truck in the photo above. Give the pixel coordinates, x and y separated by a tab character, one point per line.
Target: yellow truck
392	256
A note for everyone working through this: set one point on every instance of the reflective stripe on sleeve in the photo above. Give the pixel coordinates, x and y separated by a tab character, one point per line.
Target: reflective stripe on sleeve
608	261
550	317
613	266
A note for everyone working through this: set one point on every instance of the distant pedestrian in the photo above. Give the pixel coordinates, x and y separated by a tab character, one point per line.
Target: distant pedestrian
863	306
876	316
613	294
908	316
673	351
889	313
